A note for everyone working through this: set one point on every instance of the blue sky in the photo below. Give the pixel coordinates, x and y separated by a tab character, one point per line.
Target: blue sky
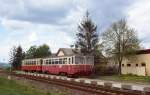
54	22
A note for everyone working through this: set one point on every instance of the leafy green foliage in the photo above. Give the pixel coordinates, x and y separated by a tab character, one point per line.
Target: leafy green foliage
38	52
31	52
16	57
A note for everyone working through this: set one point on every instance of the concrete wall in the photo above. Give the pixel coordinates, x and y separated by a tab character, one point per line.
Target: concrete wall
134	70
136	65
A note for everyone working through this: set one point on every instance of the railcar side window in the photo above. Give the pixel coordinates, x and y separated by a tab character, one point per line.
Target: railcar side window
31	62
49	61
34	62
63	60
82	60
72	60
78	60
56	61
53	61
46	61
69	60
89	60
60	61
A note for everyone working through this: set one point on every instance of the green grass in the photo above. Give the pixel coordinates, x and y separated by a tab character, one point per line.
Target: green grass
11	87
128	78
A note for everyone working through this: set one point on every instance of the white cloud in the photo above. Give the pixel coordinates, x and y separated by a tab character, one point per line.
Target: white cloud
139	18
16	24
27	34
54	22
48	3
33	37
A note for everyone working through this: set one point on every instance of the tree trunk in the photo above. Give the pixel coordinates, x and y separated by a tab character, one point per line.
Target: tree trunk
119	69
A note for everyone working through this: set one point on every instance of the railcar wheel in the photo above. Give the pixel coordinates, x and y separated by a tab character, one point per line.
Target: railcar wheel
72	76
63	74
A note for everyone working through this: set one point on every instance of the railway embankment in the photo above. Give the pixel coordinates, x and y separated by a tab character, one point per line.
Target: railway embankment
91	86
110	87
11	85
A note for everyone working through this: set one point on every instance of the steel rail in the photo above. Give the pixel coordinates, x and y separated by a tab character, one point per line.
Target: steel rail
93	89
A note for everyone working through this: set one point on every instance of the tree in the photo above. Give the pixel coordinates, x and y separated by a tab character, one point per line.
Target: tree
38	52
31	52
16	57
19	56
87	37
12	57
42	51
120	41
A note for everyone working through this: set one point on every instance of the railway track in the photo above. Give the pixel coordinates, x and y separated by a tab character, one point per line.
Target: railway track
92	89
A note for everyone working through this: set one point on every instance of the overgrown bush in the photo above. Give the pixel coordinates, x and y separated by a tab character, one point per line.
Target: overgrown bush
105	70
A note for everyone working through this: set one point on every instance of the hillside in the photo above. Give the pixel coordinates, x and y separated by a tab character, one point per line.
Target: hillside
4	65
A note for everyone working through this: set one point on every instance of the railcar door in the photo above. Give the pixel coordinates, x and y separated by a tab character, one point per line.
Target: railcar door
84	63
41	64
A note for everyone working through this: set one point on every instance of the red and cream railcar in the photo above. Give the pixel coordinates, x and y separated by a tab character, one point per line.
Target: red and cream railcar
32	65
69	65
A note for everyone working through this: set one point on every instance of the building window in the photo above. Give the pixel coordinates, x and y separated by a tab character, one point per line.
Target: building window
128	65
136	65
122	65
143	64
